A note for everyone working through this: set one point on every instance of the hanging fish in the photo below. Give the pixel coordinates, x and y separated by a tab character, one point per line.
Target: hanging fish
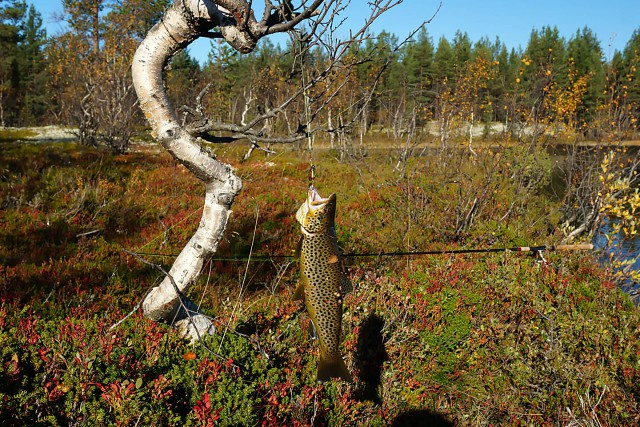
322	281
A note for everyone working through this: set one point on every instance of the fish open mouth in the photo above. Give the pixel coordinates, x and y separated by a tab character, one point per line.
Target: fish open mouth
314	200
312	205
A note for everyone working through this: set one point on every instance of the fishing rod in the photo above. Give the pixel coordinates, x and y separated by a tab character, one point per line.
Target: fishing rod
578	247
534	249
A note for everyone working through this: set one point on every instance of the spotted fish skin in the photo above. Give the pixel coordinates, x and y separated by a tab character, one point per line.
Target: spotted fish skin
322	281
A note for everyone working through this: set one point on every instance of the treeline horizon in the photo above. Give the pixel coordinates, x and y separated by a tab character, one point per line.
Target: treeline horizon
81	78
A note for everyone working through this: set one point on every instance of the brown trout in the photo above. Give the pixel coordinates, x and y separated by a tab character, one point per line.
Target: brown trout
322	281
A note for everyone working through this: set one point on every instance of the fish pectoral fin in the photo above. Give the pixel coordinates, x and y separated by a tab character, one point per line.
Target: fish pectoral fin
313	333
333	368
299	247
299	293
332	259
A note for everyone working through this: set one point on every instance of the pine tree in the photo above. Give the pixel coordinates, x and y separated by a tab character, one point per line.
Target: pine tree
182	77
418	66
631	72
32	67
585	55
486	49
85	18
444	61
544	69
462	49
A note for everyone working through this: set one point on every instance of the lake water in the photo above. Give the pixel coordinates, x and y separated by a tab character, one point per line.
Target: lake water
622	249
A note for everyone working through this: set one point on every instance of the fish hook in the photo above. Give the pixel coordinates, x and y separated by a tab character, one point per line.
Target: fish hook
312	176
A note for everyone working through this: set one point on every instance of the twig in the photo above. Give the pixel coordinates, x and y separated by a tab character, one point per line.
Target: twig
135	308
88	233
246	271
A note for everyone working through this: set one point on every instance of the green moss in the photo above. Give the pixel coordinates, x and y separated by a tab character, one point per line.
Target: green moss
10	134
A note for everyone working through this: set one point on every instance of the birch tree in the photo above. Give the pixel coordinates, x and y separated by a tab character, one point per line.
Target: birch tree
235	22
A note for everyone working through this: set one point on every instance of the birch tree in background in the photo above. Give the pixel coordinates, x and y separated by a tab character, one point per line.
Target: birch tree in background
235	22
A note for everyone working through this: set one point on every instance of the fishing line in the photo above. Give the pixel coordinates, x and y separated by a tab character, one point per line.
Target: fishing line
312	174
170	228
307	110
535	249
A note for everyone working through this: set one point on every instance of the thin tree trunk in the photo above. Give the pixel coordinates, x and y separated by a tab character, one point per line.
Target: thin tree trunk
471	122
332	134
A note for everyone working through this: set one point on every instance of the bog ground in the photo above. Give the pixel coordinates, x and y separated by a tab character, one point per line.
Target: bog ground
497	339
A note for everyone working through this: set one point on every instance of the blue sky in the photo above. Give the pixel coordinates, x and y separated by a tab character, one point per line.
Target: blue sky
613	21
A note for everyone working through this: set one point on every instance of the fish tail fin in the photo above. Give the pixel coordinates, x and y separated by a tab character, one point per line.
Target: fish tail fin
333	368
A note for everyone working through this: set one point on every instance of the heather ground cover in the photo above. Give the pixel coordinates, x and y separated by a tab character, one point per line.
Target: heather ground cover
478	340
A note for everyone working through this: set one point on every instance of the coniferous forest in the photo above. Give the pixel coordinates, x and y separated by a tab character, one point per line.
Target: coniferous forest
81	78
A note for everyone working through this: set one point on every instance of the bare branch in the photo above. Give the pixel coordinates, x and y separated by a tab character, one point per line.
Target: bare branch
336	50
283	22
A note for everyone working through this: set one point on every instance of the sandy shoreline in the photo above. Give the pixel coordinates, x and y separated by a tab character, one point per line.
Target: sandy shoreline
50	133
54	133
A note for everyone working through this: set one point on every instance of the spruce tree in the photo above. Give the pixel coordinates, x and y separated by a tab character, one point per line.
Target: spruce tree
444	61
630	65
22	94
32	65
418	66
12	14
585	55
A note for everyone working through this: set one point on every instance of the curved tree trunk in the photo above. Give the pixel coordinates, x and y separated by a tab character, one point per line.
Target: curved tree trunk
183	22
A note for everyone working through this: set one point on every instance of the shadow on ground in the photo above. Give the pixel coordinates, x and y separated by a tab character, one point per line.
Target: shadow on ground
370	356
369	359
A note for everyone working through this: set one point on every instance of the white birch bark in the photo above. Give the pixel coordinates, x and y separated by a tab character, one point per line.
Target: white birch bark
183	22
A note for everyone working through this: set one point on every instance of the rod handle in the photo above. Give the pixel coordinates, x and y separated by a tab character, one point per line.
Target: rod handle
578	247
